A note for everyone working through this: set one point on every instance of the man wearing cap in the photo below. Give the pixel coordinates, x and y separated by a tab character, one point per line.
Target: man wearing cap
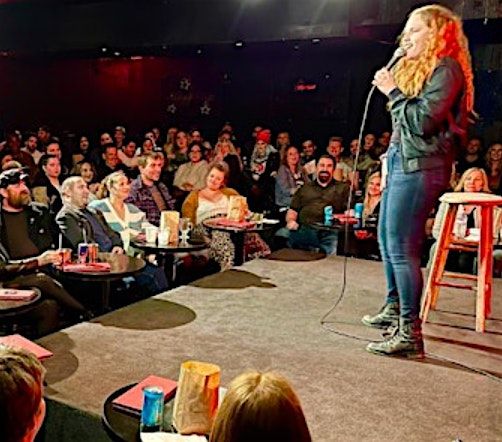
27	233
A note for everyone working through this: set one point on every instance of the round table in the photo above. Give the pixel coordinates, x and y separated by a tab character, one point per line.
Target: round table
166	253
121	266
124	426
237	235
10	311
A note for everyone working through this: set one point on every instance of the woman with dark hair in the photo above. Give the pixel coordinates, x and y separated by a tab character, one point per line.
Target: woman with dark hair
494	167
192	175
48	185
87	171
431	93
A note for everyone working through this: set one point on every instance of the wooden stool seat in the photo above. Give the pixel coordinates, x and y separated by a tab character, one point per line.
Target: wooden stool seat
448	241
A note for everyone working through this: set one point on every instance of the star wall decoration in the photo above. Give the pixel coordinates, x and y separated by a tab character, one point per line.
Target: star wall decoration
185	84
205	109
171	108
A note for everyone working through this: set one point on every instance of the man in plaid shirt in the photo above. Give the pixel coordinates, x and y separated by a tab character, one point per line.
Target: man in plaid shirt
147	193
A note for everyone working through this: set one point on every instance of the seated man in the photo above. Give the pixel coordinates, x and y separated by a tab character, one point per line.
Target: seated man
74	218
147	193
26	233
307	207
22	406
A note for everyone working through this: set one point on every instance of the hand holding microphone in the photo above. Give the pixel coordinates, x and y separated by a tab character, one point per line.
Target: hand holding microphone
384	80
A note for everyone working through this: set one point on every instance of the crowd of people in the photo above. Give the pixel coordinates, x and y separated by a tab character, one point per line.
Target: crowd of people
113	190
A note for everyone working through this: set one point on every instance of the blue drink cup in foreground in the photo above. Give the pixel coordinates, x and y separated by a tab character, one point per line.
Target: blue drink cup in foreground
328	215
152	412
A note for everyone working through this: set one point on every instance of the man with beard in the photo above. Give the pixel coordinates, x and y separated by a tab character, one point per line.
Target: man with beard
147	192
307	207
27	232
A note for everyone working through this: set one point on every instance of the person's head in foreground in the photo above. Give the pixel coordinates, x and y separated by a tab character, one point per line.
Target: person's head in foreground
473	180
22	407
260	407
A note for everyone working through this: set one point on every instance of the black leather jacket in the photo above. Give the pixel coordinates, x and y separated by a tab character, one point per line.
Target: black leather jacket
432	124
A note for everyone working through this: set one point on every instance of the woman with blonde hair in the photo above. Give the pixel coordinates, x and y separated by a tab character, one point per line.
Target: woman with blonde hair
260	407
431	93
467	217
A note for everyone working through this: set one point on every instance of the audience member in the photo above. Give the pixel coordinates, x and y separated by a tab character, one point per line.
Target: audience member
260	407
47	186
225	151
22	406
472	180
472	157
21	261
147	193
87	171
75	218
54	148
119	136
494	168
192	175
290	177
129	158
13	147
110	163
282	142
128	221
307	208
213	201
31	147
309	157
262	170
84	151
43	135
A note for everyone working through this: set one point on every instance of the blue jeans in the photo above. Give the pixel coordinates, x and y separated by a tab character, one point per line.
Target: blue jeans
406	203
309	238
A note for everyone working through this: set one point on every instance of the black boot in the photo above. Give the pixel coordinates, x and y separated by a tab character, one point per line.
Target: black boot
387	316
406	342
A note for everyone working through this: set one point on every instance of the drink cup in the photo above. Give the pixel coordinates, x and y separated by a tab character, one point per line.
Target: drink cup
92	252
83	252
65	256
151	234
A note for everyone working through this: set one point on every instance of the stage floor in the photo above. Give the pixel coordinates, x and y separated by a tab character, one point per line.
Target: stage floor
265	315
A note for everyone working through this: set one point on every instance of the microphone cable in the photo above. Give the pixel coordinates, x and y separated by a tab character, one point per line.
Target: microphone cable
329	325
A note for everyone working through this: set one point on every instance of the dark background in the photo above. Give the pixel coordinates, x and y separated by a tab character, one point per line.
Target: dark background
85	66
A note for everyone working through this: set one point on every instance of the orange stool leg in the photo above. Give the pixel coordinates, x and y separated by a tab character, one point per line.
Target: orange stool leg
485	268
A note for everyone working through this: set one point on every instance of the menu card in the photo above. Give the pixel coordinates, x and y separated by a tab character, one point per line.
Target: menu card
18	341
132	399
17	295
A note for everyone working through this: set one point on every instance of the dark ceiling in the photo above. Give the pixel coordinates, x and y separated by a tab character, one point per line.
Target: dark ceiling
85	26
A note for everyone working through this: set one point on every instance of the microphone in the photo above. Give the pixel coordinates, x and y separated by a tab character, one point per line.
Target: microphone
398	53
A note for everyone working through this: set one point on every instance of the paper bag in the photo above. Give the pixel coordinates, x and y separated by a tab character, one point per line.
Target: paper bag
196	400
237	208
170	219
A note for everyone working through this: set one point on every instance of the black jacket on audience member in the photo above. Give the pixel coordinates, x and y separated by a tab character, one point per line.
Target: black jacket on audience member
42	230
72	223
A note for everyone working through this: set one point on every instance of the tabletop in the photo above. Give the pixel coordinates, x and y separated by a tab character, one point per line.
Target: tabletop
14	306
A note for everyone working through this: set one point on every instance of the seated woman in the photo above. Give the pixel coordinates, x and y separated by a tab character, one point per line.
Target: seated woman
192	175
260	407
290	177
47	186
472	180
87	171
212	201
225	151
262	170
363	244
129	222
494	168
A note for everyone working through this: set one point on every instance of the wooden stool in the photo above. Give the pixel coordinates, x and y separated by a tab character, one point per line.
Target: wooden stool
447	241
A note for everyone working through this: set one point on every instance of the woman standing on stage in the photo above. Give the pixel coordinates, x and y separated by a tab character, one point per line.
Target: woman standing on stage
430	93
